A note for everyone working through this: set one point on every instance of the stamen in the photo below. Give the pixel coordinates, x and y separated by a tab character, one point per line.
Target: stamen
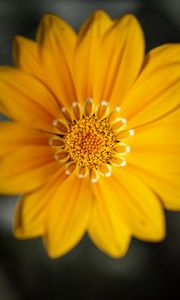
56	142
103	109
125	134
66	114
94	175
90	139
128	149
70	168
118	161
88	107
76	110
117	108
118	124
114	115
122	148
60	125
131	132
123	164
62	155
104	103
82	172
105	170
90	142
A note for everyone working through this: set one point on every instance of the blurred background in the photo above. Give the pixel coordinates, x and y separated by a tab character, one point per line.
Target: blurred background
148	271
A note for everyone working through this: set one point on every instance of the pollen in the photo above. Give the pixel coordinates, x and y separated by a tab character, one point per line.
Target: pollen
90	142
91	139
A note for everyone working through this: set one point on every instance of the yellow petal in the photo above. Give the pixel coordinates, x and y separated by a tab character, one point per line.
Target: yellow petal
26	56
154	158
156	149
26	169
68	215
13	136
122	59
137	204
88	63
29	216
26	99
107	227
162	56
156	92
156	146
141	206
56	41
165	184
171	120
165	131
31	210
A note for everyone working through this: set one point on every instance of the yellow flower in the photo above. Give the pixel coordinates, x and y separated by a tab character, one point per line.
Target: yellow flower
93	145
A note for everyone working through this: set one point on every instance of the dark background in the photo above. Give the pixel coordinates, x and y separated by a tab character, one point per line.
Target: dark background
148	271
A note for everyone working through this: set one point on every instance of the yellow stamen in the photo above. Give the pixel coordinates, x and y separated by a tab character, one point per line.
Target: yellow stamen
82	172
103	110
118	161
60	125
76	110
66	114
125	134
56	142
114	115
122	148
88	107
105	170
118	124
94	175
62	155
91	140
70	167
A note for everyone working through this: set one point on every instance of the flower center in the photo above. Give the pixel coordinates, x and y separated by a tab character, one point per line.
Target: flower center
90	142
91	139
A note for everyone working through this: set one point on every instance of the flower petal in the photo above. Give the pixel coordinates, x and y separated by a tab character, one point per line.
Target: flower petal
26	56
26	169
165	184
155	158
140	206
107	228
156	146
88	63
31	209
56	41
24	98
68	215
156	92
30	215
135	204
13	136
121	61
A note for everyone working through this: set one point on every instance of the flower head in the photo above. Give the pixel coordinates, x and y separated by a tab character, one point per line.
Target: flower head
93	145
91	140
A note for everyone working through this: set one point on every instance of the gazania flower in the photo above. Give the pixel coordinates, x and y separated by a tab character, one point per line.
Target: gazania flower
93	141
